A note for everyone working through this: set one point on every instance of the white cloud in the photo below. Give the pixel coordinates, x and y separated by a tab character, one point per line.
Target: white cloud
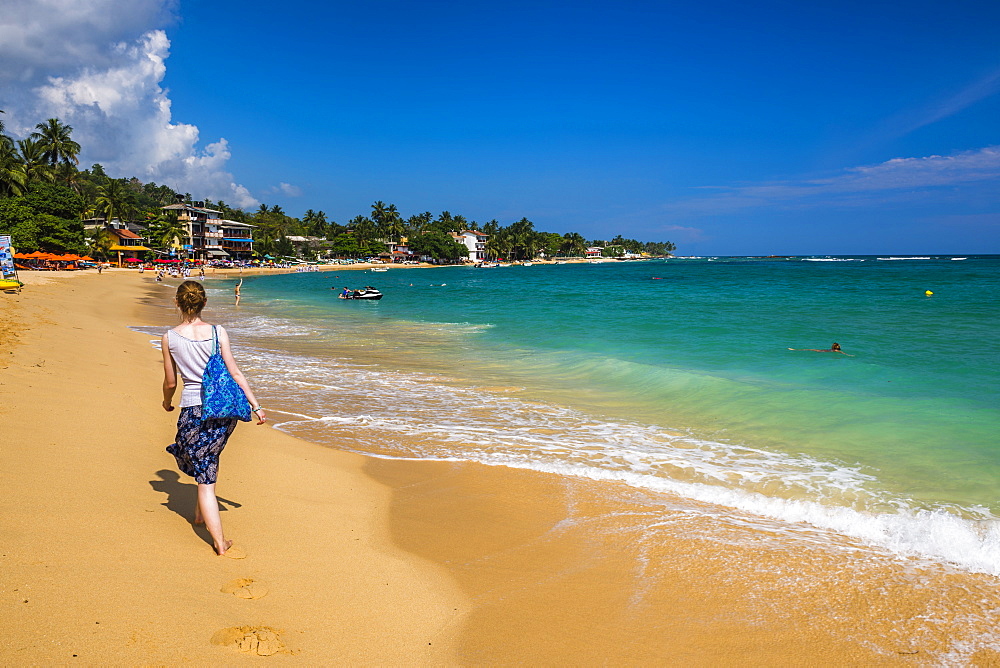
103	78
287	189
40	38
981	89
899	178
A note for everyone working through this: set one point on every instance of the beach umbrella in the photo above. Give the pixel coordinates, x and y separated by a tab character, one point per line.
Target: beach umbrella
38	255
87	258
132	259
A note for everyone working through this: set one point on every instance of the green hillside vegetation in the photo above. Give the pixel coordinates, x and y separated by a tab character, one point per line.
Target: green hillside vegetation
45	197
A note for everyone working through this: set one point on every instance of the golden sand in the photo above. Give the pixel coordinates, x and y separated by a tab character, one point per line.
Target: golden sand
100	562
353	560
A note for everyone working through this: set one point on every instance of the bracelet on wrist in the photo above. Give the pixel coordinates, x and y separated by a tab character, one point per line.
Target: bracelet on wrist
258	409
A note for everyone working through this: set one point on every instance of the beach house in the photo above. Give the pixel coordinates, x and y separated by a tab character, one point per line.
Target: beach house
127	242
474	241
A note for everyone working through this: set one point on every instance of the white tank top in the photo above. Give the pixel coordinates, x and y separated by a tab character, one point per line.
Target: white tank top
190	357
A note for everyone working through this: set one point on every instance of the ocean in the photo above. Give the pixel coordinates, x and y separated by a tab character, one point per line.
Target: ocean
674	377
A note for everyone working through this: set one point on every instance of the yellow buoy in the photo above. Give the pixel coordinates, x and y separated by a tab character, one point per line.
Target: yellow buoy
928	293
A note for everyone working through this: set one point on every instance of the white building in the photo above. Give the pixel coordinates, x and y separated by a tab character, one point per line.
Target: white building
474	241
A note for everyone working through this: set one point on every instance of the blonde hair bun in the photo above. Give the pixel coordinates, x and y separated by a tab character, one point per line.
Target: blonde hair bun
191	298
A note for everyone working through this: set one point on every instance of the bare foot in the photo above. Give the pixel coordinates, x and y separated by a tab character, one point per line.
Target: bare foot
225	547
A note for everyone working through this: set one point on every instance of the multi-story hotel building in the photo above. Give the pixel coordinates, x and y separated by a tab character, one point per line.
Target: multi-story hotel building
210	237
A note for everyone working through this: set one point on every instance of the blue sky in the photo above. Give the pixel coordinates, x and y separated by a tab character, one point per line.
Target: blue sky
726	127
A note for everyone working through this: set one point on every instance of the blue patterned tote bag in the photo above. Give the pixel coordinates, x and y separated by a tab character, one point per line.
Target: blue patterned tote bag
221	397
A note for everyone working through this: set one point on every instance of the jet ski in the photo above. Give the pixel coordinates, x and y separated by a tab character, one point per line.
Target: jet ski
367	292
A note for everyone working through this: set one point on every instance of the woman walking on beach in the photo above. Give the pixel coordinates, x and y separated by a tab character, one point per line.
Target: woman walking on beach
186	349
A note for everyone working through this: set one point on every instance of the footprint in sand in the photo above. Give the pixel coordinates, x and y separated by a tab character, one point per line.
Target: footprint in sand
257	640
235	553
245	588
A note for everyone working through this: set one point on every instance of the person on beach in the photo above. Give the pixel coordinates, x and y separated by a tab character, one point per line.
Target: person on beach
197	446
835	348
237	291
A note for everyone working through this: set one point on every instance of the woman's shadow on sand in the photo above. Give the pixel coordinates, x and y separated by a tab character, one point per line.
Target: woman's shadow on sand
182	498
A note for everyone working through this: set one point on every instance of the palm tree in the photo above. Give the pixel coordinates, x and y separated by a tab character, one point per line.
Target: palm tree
364	230
70	175
167	230
13	178
522	237
500	244
573	244
316	224
392	223
99	243
58	144
32	156
418	223
445	223
113	200
388	222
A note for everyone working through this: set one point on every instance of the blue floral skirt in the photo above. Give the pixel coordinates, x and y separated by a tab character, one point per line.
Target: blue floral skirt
199	444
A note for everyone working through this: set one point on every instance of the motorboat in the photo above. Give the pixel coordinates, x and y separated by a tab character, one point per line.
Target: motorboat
367	292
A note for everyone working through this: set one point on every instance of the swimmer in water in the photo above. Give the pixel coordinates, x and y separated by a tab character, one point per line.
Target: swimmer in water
835	348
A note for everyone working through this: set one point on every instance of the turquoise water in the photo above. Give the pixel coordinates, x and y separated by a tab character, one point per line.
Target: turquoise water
671	376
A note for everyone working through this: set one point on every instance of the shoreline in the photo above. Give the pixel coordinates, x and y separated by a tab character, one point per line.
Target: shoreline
544	568
101	562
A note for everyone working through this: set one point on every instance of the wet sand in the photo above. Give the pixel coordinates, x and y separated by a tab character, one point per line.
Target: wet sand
373	561
100	561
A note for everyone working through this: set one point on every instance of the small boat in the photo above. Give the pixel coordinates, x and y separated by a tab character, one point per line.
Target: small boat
379	269
958	258
367	292
10	284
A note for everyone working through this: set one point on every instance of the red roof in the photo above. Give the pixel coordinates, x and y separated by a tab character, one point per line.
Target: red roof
126	234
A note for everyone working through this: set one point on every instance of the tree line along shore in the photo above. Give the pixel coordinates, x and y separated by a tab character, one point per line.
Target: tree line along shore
45	200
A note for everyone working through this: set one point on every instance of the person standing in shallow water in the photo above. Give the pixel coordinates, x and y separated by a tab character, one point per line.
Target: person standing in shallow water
197	446
237	291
